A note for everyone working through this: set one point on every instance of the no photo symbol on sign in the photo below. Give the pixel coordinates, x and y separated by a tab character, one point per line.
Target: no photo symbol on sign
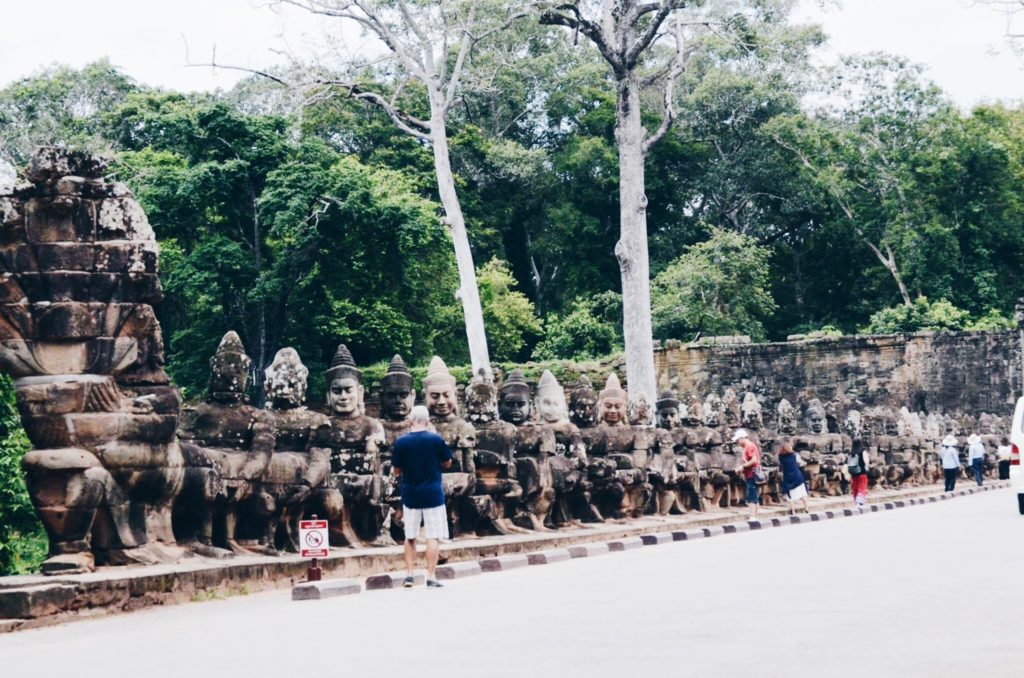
313	538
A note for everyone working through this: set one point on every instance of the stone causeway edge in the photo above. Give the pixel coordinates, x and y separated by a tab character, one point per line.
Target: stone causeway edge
34	601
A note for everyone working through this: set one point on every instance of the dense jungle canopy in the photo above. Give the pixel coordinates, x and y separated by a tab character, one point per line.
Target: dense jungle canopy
787	198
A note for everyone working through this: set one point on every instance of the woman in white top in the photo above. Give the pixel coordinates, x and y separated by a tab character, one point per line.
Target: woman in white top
950	461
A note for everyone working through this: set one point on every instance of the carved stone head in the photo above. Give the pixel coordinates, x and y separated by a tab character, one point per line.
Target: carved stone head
481	400
344	388
713	410
550	399
750	411
852	425
439	390
613	402
731	411
397	395
786	417
284	382
814	417
583	404
669	416
693	415
514	399
229	370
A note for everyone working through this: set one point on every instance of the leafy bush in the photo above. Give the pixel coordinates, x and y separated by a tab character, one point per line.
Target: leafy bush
925	316
591	329
509	317
22	541
717	287
992	321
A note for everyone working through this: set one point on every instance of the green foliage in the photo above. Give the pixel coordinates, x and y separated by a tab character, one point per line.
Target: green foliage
926	316
718	287
591	328
22	541
993	321
508	314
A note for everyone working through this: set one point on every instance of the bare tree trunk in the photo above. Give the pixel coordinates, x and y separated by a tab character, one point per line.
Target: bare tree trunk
631	250
468	292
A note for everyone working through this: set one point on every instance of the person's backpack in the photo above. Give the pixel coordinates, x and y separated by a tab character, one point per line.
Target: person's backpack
854	465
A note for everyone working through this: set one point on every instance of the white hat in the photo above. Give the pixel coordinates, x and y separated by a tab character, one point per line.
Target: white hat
949	441
973	438
740	433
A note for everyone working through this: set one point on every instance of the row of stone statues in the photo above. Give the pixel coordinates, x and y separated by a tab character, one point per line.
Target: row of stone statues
120	473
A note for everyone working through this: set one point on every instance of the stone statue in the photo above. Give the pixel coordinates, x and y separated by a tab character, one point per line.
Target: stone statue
441	395
535	445
675	477
397	396
569	463
354	441
629	447
583	404
815	417
583	414
228	445
78	281
299	474
732	410
786	418
498	494
750	412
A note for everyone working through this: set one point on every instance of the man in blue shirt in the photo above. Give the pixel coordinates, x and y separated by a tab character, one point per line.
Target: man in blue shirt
417	458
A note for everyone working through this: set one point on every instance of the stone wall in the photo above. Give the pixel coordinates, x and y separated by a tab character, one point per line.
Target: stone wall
968	372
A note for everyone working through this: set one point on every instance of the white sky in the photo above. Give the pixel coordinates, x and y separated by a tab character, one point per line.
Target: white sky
962	45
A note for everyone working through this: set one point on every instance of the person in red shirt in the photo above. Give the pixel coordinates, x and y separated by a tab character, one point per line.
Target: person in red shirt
751	469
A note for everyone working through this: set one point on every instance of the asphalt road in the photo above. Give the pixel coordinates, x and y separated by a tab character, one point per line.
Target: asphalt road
933	590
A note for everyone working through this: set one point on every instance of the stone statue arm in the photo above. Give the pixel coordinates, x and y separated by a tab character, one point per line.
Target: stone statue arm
375	441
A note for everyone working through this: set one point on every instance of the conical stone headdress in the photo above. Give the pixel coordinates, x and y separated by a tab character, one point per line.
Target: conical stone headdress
398	373
437	373
667	398
549	386
612	389
231	350
342	365
516	381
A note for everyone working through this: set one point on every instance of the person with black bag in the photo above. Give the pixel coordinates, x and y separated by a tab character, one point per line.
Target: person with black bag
751	469
857	465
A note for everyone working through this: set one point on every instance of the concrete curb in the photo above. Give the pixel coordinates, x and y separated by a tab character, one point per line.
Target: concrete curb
467	568
391	580
328	588
626	544
548	557
656	538
503	563
587	550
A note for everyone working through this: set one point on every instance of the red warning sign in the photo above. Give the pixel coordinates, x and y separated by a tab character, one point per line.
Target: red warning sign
313	538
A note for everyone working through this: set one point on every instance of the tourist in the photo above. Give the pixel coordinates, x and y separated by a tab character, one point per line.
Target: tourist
976	457
751	469
950	461
857	463
1003	452
418	458
792	477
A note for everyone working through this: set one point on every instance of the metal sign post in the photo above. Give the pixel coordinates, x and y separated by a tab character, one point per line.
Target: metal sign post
314	544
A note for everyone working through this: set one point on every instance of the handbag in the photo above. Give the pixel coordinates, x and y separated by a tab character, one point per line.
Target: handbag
853	464
759	477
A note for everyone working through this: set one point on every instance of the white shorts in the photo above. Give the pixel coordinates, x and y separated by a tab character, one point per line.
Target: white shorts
797	493
434	521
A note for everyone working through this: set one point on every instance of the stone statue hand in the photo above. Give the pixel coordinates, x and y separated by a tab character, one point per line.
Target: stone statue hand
298	495
141	405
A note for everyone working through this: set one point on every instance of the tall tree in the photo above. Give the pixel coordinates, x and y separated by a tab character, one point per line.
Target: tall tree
626	33
426	45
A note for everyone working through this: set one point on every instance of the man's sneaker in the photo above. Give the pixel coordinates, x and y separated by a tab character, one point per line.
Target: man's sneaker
408	582
434	584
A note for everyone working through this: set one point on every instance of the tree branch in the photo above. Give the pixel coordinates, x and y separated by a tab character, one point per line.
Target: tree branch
647	37
555	17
